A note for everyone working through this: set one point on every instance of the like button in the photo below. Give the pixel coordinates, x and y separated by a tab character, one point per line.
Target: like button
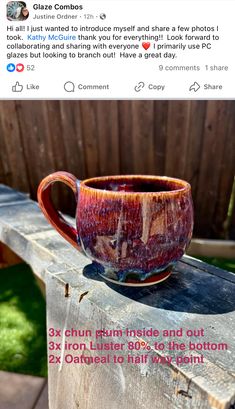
17	87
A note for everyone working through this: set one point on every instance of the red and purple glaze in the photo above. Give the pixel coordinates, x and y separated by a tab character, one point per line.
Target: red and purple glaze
129	224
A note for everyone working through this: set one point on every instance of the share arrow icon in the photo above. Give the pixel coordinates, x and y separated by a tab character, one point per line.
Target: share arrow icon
194	87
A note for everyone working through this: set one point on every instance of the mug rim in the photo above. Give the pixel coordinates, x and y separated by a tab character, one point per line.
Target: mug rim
185	186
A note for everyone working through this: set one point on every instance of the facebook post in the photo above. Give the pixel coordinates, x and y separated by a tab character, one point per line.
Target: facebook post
117	204
116	49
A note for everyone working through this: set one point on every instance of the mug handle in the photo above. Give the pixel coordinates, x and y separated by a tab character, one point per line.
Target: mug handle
52	215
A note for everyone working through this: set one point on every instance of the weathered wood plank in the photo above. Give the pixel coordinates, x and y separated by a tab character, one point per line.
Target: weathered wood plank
143	137
25	216
107	135
194	143
19	391
9	196
186	386
72	136
177	138
160	136
5	173
227	174
36	141
137	144
226	275
70	147
91	143
61	194
11	148
216	126
212	248
125	131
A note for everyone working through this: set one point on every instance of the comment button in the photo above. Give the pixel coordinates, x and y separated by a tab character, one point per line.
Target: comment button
93	87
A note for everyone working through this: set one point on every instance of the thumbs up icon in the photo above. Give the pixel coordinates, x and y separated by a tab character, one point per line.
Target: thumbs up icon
17	87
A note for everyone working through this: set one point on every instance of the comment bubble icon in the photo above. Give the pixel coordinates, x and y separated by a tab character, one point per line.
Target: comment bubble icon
69	86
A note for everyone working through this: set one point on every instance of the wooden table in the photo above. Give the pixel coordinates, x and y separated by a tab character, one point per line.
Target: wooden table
196	296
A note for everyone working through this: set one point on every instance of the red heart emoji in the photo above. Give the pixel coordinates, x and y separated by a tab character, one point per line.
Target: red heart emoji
19	67
146	45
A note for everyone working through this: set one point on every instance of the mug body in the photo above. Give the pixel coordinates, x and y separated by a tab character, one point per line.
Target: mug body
134	225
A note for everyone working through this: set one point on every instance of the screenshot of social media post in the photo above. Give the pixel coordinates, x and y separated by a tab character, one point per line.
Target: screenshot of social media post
117	204
117	49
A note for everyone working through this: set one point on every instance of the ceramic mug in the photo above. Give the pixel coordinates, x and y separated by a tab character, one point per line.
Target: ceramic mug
134	228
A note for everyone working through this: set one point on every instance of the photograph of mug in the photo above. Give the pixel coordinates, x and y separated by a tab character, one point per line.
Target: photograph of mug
134	227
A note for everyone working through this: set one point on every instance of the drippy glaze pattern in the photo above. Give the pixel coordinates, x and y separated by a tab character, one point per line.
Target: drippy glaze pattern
131	226
133	231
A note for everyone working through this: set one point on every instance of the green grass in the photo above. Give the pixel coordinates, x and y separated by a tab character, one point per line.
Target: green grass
225	264
22	322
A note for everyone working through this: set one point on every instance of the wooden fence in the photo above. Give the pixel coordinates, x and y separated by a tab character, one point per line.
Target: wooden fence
193	140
